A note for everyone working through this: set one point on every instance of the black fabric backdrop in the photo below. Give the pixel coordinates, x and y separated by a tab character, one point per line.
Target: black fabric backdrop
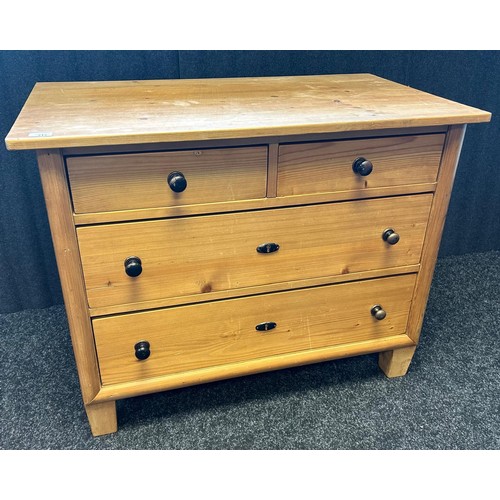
29	277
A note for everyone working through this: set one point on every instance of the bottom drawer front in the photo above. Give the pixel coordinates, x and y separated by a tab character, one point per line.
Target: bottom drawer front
235	330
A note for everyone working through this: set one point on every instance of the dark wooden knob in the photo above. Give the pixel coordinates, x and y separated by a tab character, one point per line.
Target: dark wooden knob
362	166
142	350
133	266
177	182
390	236
378	312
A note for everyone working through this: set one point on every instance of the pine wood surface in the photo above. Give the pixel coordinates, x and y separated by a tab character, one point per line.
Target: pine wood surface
243	205
437	217
237	369
253	290
266	160
131	181
58	203
102	417
74	114
186	256
395	363
249	141
318	167
214	333
272	169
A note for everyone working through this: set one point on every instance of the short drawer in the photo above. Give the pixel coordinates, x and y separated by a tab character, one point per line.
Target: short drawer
140	180
216	333
322	167
204	254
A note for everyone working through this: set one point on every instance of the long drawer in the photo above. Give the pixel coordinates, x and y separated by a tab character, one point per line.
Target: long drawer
195	255
323	167
141	180
216	333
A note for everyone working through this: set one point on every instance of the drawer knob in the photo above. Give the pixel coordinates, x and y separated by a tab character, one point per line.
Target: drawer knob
264	327
390	236
362	166
177	182
133	266
378	312
142	350
268	248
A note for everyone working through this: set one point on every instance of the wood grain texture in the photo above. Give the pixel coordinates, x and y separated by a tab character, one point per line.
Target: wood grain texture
254	290
266	159
74	114
193	255
59	211
215	333
102	418
249	141
272	170
449	162
242	205
395	363
318	167
132	181
203	375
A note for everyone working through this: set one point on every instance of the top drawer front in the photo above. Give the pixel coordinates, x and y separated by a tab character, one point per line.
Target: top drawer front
323	167
135	181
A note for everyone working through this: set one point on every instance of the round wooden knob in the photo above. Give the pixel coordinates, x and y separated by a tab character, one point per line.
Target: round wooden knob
390	236
378	312
133	266
362	166
177	182
142	350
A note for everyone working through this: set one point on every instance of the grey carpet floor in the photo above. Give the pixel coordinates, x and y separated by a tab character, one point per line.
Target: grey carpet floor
450	398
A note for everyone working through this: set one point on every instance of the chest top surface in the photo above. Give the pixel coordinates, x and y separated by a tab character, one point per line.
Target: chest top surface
79	114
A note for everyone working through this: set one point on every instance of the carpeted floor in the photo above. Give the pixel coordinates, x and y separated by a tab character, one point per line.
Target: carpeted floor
450	398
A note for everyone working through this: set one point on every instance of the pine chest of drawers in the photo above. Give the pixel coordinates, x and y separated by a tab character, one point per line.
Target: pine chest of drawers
206	229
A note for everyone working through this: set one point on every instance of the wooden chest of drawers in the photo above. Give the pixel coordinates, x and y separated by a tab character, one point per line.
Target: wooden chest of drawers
207	229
